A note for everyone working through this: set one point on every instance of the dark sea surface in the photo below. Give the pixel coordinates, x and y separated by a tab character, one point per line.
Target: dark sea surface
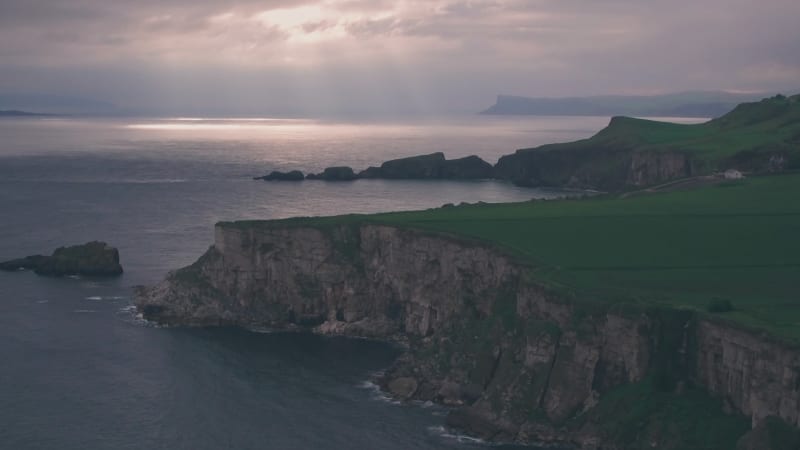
79	370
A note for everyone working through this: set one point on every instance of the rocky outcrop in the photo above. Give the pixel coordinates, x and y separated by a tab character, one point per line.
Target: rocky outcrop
417	167
275	175
606	168
422	167
648	168
516	360
433	166
90	259
341	173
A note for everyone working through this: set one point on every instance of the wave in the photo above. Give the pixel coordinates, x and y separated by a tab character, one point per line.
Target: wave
443	432
131	315
145	181
376	393
97	298
84	311
261	330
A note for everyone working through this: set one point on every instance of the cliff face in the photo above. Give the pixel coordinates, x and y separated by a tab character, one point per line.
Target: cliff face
608	168
754	374
517	362
647	168
373	281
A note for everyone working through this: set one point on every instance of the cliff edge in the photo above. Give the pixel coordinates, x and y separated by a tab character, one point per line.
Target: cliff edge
518	360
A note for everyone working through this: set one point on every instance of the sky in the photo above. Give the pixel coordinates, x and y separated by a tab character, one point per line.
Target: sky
314	57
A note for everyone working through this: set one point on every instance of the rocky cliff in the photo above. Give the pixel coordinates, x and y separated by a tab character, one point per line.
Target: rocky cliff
517	360
605	167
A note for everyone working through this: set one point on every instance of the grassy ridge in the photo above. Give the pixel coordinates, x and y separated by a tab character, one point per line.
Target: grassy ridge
762	137
768	125
738	241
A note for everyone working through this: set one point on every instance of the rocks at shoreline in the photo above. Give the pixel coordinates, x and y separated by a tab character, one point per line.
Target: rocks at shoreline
433	166
628	154
276	175
90	259
338	173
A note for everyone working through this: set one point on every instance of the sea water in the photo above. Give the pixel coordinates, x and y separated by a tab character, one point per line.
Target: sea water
79	370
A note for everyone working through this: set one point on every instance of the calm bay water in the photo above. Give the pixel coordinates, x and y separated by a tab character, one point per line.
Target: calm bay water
79	371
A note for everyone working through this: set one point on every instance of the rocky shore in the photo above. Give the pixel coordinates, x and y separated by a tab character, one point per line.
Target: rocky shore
423	167
517	360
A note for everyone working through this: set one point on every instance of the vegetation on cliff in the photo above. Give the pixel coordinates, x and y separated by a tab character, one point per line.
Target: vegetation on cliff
761	137
754	137
610	322
621	321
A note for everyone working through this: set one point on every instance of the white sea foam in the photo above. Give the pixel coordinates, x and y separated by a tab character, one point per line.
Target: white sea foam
376	393
261	330
131	315
460	438
96	298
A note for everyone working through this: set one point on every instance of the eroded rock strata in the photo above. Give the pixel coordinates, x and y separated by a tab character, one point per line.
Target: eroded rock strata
518	361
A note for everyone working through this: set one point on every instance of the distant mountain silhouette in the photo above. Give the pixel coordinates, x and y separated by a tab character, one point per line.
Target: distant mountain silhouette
16	113
686	104
54	104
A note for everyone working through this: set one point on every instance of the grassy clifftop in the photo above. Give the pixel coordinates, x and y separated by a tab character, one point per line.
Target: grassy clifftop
734	243
737	242
758	137
768	126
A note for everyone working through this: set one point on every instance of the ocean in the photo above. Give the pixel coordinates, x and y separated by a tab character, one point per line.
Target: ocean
79	370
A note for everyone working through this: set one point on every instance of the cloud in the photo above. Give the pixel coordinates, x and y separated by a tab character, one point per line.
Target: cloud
446	54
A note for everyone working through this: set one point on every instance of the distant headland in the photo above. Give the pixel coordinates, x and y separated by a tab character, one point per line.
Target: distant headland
630	153
17	113
687	104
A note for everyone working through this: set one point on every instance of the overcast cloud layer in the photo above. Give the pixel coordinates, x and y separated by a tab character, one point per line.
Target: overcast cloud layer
327	56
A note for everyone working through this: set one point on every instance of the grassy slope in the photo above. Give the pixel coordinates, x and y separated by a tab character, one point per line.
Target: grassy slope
764	126
738	241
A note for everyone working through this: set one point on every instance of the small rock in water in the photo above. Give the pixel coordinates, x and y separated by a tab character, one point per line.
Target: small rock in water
90	259
275	175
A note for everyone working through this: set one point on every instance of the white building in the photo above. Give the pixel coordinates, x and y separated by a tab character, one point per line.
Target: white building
732	174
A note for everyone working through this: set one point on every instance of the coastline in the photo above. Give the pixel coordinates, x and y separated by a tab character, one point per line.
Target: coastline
428	323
